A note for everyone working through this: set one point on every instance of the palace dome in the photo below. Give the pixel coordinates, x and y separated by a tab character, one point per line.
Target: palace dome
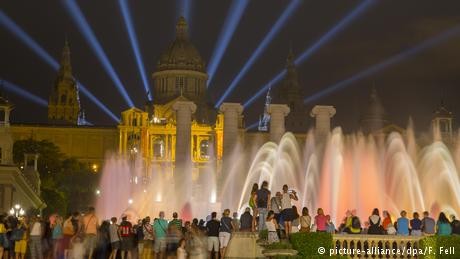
181	54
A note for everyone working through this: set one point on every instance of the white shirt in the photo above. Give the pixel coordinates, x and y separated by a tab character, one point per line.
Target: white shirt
270	226
286	201
36	229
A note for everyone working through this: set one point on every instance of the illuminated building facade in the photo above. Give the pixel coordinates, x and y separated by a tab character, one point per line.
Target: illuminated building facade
181	120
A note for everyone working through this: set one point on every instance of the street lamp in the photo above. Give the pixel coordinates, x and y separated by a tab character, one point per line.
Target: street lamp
17	211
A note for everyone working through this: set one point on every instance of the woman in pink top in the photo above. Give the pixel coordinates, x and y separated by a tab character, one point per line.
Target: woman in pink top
321	221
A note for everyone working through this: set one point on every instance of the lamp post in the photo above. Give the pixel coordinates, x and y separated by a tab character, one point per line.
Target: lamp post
17	211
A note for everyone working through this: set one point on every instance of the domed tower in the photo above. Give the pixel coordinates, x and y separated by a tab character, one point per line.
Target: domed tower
181	71
64	102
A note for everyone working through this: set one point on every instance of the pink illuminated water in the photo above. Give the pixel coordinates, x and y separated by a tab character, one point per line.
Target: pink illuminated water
345	172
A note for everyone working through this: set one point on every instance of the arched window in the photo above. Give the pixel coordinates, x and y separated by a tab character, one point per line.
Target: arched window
204	149
63	98
158	148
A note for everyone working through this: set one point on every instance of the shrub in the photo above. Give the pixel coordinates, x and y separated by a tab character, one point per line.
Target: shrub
307	244
436	242
278	245
263	234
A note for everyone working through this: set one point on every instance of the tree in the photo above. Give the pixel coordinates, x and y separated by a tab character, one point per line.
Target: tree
66	184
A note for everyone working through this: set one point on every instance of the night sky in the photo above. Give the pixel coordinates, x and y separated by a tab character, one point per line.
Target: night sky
412	88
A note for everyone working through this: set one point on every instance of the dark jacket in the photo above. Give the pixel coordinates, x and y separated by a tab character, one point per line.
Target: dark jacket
246	221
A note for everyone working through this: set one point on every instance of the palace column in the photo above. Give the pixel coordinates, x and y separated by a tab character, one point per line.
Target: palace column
232	113
231	139
277	114
183	163
323	115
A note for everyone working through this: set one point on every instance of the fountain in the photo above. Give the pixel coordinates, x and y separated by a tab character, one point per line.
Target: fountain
345	172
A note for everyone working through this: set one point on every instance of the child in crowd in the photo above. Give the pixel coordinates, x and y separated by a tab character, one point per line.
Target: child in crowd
272	225
78	249
181	252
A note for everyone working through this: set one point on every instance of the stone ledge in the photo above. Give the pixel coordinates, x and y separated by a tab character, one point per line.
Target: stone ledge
280	252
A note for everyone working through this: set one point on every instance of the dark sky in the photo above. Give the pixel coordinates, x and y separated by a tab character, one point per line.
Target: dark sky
413	87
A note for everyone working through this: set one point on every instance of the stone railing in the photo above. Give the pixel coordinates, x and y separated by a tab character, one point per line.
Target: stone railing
376	246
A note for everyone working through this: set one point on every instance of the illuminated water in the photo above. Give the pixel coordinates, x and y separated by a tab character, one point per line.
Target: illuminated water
345	172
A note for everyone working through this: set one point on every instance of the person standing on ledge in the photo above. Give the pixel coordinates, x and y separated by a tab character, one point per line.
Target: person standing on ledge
286	205
263	206
90	227
212	230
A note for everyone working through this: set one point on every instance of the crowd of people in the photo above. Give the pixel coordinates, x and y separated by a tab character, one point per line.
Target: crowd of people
83	235
281	218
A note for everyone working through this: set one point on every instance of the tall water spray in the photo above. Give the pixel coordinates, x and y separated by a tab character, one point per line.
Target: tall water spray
341	173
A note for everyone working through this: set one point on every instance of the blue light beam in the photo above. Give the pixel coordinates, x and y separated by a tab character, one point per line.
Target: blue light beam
80	20
13	88
231	23
124	7
19	33
94	99
440	38
315	47
287	13
185	9
253	126
15	30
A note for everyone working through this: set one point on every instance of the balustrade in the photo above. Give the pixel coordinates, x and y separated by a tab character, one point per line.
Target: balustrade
376	246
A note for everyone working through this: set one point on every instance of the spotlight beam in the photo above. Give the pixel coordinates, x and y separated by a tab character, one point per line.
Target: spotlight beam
252	126
13	88
124	7
98	103
231	23
19	33
440	38
80	20
185	9
287	13
315	47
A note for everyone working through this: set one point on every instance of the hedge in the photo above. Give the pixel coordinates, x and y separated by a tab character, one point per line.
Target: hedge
436	242
307	244
278	245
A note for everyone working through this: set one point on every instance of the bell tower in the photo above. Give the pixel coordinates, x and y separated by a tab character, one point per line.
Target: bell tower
64	102
290	92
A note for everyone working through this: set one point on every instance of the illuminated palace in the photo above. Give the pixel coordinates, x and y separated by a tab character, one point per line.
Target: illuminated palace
181	124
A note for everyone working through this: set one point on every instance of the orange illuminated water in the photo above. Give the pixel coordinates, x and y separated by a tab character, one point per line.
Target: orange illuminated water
344	172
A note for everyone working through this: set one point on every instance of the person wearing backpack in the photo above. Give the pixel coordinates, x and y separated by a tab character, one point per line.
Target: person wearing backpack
127	237
263	204
90	227
353	224
225	230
